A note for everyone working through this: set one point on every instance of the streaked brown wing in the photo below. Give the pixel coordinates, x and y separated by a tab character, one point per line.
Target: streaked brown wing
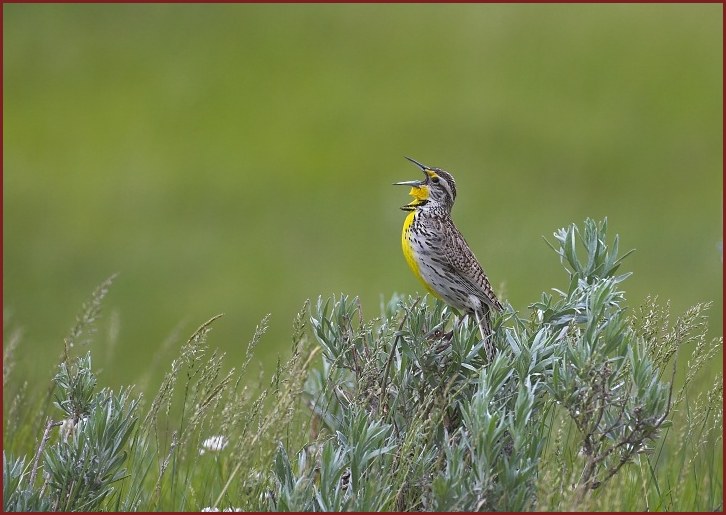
460	256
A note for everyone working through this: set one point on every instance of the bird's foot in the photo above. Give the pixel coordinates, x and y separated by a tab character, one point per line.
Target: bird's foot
437	333
445	342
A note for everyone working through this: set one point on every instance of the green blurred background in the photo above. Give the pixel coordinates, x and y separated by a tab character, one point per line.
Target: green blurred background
239	158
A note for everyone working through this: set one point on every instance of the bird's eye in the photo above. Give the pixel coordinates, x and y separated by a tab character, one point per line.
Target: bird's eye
435	180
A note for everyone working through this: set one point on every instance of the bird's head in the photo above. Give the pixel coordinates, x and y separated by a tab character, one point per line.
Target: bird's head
437	189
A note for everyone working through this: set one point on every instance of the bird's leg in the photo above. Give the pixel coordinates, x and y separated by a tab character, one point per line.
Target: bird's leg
481	327
436	333
486	334
445	342
446	337
459	322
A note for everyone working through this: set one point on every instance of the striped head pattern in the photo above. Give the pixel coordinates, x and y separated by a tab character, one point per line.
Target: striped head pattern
436	191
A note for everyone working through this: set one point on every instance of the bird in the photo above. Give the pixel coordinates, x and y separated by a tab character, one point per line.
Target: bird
438	254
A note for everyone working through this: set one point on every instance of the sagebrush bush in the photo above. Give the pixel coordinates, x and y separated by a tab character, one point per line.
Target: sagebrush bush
577	410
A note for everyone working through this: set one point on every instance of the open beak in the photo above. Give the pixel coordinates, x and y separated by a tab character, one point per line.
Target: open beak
415	184
419	190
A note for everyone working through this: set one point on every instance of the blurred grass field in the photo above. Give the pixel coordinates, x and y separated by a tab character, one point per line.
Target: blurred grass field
239	158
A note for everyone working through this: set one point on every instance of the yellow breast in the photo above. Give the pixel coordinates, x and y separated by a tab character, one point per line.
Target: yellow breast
409	253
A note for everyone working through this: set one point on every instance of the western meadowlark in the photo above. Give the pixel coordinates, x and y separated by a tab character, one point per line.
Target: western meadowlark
439	256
